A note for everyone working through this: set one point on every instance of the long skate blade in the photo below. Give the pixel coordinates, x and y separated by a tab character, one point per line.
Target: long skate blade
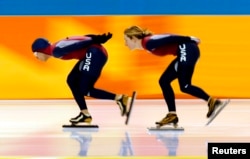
77	129
155	128
80	126
130	107
218	112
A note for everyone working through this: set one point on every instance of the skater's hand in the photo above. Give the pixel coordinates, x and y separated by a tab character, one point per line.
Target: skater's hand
101	39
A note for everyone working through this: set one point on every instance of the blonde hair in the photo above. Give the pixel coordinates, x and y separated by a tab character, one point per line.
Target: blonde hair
137	32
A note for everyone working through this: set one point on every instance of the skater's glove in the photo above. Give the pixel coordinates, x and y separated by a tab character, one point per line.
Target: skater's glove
100	39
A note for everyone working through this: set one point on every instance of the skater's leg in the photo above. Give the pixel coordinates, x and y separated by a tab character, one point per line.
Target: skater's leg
122	100
83	77
184	78
74	82
185	72
89	70
91	74
101	94
165	83
77	87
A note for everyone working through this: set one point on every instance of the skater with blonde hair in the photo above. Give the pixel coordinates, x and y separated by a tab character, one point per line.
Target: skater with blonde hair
187	52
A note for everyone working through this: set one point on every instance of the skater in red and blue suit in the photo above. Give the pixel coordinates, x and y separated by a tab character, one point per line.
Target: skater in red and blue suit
91	56
187	52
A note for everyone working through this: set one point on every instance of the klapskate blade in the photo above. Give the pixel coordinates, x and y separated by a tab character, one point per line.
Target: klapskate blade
80	126
130	107
155	128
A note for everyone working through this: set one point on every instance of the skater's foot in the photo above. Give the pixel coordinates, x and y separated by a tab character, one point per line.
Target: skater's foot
171	118
123	103
81	118
213	104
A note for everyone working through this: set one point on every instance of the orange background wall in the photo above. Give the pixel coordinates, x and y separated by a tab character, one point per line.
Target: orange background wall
222	71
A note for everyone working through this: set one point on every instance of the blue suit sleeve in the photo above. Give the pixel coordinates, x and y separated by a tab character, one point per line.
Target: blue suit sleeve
160	40
60	51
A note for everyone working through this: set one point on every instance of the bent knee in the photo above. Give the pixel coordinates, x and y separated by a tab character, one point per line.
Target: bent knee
164	81
184	88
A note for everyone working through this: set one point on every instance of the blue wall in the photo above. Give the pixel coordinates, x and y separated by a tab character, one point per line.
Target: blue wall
123	7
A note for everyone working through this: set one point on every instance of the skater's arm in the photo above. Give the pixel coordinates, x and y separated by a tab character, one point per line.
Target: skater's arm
159	40
66	46
69	45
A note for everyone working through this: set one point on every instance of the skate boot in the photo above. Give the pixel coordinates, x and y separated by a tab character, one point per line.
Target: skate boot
81	118
213	104
123	103
169	119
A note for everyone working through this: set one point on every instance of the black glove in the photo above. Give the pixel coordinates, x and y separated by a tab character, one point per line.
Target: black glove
100	39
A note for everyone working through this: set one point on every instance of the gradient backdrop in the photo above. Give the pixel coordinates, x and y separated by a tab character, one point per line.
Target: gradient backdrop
223	69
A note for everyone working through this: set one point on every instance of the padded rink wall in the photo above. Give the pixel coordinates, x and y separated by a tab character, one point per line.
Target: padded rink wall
222	70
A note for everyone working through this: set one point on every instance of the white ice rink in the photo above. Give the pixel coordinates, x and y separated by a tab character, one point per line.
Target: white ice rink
33	128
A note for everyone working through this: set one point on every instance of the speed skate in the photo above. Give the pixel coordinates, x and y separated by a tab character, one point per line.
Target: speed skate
217	112
79	125
130	107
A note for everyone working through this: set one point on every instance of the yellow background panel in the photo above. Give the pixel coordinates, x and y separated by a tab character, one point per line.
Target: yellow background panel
222	70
